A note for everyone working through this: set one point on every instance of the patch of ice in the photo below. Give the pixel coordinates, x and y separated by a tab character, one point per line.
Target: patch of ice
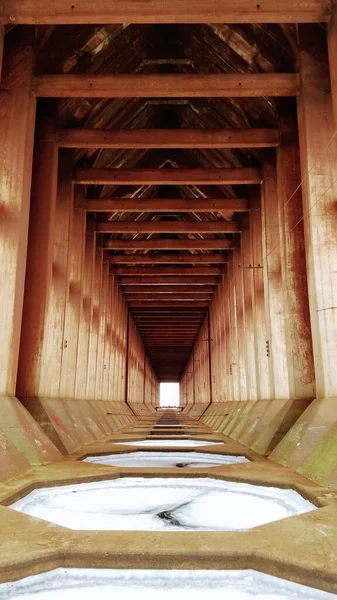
169	443
162	504
105	584
166	459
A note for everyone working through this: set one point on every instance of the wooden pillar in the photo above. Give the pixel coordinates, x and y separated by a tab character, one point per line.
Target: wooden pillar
2	39
294	272
94	326
86	314
332	45
17	121
39	253
73	305
250	325
51	353
318	146
279	378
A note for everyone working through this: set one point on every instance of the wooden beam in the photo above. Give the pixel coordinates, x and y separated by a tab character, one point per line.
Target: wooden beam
166	279
223	85
168	303
62	12
163	244
244	176
167	138
164	289
174	296
138	205
153	259
168	227
168	270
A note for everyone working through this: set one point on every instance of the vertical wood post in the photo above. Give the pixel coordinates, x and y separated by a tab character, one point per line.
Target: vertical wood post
279	378
17	121
332	45
52	345
294	272
39	254
318	148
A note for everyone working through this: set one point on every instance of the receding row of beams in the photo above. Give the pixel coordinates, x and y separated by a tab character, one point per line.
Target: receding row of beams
168	227
143	259
163	244
180	176
168	270
172	296
219	85
138	205
166	279
167	138
63	12
167	289
168	303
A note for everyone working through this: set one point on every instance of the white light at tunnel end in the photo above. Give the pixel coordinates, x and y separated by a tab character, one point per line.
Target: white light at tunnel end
106	584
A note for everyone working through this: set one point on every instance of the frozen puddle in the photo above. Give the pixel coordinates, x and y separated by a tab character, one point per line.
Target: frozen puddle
166	459
67	584
171	443
162	504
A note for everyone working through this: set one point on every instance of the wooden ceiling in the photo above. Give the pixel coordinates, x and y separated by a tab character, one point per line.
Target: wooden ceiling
165	125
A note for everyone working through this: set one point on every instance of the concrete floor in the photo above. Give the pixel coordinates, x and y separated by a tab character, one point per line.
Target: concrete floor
301	548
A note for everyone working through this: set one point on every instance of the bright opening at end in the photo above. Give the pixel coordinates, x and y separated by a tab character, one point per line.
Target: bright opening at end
169	395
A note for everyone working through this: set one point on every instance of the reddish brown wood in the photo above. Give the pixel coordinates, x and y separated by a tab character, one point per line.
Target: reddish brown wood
167	138
169	303
165	270
61	12
164	244
215	258
165	205
172	296
39	257
166	279
164	289
215	176
167	86
17	120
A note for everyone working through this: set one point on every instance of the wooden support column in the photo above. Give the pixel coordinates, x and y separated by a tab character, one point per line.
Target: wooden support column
250	325
279	378
51	355
107	338
332	45
86	314
294	272
17	121
101	333
2	39
39	256
310	443
94	327
73	306
318	164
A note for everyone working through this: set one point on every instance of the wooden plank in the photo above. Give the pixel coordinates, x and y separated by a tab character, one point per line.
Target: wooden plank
168	227
182	244
138	205
332	46
170	303
166	279
62	12
167	138
2	39
168	270
17	123
173	296
220	85
244	176
164	289
167	259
